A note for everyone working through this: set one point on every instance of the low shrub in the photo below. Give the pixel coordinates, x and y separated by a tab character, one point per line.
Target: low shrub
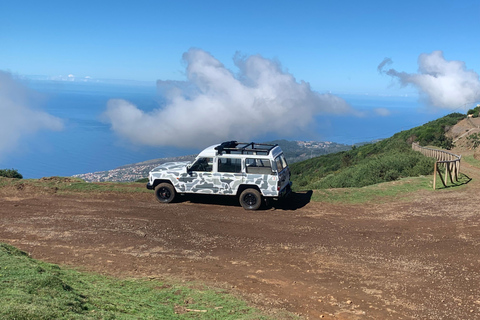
385	168
10	173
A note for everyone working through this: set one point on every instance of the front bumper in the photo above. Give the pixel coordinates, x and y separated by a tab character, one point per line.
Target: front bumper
149	186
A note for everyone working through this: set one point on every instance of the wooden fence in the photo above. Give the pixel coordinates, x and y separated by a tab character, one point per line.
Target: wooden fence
446	162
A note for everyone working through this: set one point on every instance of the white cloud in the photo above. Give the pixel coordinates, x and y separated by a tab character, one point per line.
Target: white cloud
216	105
383	112
18	117
444	84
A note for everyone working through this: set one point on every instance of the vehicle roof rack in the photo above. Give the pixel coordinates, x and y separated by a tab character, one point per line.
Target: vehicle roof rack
234	147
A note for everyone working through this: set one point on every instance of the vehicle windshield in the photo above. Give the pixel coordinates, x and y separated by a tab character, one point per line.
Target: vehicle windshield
202	164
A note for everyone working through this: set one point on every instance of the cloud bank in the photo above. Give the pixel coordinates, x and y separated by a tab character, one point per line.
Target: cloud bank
18	118
216	105
444	84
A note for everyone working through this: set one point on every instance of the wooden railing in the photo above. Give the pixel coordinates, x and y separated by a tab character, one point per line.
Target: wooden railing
446	161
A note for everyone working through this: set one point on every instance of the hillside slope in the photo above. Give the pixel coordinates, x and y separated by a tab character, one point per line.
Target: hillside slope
383	161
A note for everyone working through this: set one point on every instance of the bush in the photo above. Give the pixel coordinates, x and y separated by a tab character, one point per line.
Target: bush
475	139
474	111
10	173
385	168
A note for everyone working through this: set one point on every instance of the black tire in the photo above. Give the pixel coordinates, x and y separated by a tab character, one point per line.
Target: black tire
165	193
250	199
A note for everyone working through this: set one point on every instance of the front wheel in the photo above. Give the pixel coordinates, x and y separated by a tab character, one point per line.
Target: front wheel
250	199
165	193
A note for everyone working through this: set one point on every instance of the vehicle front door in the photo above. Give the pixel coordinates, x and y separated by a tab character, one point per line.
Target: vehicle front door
199	177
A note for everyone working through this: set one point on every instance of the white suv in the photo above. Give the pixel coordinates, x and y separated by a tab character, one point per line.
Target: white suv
250	171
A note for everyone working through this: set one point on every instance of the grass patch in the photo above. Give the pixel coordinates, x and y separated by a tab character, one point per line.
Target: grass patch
472	161
384	192
462	180
104	187
380	193
31	289
67	184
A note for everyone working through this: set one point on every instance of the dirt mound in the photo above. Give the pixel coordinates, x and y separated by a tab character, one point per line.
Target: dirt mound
26	188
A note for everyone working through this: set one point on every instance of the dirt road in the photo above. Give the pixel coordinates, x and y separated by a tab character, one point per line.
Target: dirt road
415	259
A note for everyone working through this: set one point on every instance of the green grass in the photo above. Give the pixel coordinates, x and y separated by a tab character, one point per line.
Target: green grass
385	192
462	180
66	185
380	193
31	289
472	161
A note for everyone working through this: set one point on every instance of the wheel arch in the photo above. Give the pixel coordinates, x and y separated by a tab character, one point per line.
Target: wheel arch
156	182
242	187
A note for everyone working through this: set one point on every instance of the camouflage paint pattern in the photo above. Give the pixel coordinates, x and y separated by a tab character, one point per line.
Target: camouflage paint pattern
186	181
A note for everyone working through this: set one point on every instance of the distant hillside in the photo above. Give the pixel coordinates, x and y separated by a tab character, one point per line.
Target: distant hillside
386	160
294	151
129	172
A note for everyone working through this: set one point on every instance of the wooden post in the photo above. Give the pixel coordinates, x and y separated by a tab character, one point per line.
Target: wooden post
435	175
446	173
441	178
449	166
457	163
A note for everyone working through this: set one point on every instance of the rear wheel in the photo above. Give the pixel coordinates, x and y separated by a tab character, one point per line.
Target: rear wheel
250	199
165	193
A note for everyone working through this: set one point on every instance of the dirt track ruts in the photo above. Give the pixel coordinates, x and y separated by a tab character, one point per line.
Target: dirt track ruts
416	259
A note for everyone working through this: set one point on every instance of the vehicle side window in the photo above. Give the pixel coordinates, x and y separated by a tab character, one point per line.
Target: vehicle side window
202	164
258	166
229	165
280	164
284	161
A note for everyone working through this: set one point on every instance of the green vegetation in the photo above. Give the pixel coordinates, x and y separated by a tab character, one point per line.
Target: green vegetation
384	192
433	132
379	193
31	289
462	180
474	139
474	112
472	161
10	173
383	161
142	180
66	184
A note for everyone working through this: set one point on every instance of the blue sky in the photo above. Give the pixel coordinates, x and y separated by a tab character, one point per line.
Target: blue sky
333	45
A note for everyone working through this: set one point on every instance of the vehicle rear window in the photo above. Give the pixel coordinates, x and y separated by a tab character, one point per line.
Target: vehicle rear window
258	166
281	162
229	165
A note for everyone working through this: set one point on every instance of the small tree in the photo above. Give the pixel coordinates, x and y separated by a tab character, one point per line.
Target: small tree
474	112
10	173
475	139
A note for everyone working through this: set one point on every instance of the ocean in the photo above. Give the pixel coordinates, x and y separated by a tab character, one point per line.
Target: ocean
87	144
